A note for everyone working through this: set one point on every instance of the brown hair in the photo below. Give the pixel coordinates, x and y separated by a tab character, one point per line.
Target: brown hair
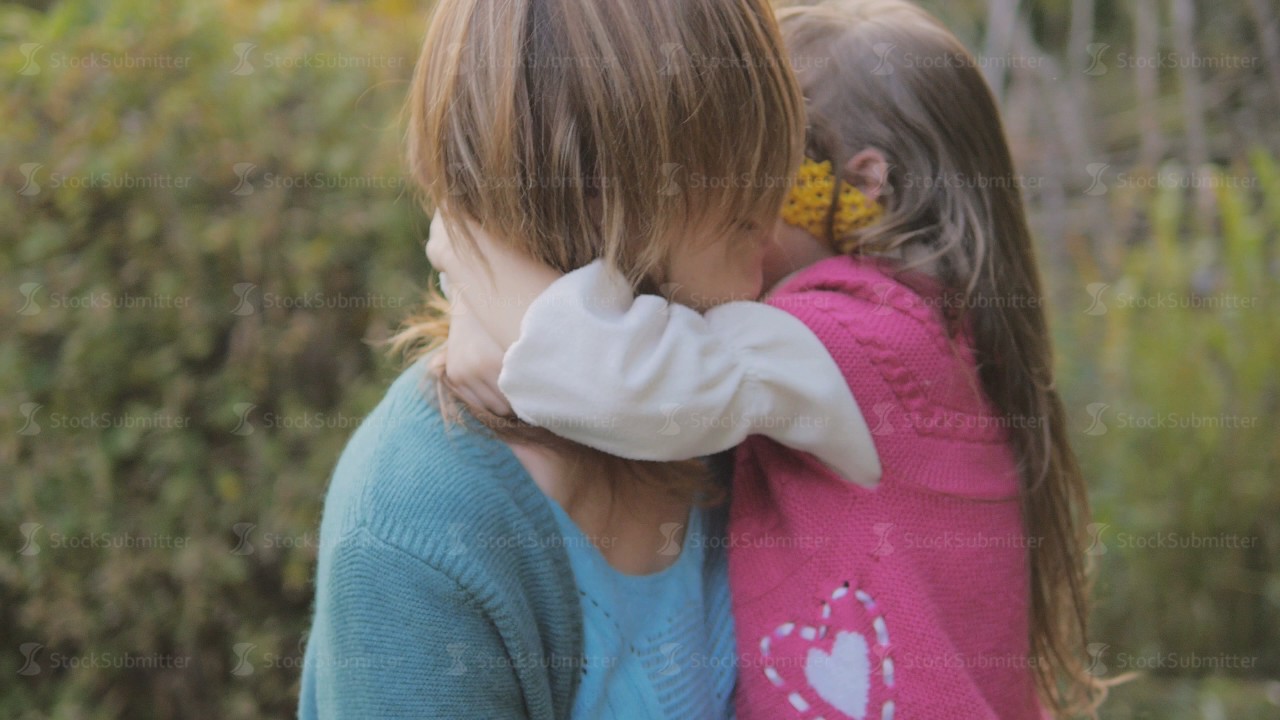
887	75
585	129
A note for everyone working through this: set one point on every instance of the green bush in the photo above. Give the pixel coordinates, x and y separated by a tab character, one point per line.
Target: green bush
212	220
206	230
1171	370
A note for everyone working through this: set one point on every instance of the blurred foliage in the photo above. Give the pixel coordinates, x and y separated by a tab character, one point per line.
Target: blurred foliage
1170	371
205	219
206	231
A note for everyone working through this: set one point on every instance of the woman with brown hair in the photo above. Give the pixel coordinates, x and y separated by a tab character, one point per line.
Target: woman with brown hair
474	567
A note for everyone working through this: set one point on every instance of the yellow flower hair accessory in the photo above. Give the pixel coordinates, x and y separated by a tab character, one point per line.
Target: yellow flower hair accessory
808	206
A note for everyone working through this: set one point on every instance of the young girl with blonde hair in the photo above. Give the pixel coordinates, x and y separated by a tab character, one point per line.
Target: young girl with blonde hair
947	580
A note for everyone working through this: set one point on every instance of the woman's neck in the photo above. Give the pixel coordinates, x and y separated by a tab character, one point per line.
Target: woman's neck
630	524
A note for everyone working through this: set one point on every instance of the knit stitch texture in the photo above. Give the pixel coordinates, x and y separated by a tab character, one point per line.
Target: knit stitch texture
443	589
906	601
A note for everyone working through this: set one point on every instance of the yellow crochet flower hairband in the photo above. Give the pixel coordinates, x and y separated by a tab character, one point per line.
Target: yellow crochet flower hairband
808	206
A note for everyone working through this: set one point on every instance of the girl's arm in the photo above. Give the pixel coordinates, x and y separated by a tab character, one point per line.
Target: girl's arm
642	378
646	379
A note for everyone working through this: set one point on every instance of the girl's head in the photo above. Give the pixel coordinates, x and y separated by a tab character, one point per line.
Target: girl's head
901	109
657	135
622	129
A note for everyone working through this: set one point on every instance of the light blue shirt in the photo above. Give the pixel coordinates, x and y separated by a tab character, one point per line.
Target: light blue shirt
655	646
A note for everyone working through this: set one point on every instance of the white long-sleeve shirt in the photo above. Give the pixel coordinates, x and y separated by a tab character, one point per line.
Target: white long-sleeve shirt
645	379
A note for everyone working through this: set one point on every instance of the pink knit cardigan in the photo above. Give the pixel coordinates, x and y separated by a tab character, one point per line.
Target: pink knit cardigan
907	601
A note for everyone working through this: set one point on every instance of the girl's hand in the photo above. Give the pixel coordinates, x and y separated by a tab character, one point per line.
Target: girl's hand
473	361
493	280
489	289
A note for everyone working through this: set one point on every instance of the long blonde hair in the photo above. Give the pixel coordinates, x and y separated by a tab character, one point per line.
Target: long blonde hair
585	129
887	75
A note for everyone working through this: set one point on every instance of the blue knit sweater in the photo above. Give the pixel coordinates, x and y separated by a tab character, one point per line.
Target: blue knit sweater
443	588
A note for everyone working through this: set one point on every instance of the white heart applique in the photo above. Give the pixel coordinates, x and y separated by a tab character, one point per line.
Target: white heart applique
845	671
842	677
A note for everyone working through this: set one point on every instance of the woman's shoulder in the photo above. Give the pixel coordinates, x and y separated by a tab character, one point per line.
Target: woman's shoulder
433	539
427	485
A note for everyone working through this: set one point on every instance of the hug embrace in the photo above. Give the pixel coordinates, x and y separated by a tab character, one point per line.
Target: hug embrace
738	400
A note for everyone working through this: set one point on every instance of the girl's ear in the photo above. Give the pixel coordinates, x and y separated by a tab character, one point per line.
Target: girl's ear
869	172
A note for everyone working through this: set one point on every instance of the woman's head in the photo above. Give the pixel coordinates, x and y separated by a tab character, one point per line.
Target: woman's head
622	129
658	135
901	107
